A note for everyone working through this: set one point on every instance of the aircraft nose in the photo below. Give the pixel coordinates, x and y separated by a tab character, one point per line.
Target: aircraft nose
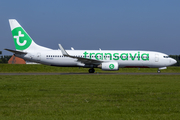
173	61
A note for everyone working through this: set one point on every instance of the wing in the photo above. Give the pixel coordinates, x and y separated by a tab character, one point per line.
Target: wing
80	59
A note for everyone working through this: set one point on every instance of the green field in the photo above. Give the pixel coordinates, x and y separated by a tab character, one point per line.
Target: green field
44	68
89	97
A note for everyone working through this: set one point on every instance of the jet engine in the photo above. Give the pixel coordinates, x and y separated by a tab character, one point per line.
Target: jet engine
110	66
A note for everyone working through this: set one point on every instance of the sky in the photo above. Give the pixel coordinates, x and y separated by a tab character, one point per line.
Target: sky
152	25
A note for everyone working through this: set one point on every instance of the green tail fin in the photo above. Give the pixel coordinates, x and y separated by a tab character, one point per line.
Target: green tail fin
21	39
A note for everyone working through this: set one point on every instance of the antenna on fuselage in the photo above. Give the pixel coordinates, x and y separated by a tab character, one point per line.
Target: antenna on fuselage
72	48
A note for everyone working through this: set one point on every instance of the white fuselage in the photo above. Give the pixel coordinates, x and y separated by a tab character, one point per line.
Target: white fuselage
140	59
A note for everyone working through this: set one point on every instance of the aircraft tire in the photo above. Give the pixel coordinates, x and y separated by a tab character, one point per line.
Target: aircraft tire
91	70
158	71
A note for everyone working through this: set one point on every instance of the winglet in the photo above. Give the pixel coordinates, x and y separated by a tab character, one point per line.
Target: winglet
63	51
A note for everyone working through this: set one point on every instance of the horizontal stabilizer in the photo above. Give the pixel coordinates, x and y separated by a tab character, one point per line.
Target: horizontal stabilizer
15	51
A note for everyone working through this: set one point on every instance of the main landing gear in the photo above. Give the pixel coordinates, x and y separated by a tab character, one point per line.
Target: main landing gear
91	70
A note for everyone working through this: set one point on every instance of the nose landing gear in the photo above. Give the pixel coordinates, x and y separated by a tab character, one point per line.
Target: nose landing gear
158	71
162	68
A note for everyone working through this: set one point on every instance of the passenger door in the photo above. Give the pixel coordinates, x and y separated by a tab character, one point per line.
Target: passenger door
156	57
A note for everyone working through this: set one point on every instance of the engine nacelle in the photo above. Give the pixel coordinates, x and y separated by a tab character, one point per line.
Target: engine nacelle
110	66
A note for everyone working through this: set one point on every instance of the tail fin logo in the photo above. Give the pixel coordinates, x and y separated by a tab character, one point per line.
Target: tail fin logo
21	39
17	39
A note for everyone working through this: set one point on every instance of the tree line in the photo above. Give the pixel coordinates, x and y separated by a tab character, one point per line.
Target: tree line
5	58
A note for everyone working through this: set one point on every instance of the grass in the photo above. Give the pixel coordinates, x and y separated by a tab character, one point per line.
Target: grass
90	97
45	68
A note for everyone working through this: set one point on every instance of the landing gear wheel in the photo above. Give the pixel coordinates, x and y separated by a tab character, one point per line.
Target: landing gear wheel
91	70
158	71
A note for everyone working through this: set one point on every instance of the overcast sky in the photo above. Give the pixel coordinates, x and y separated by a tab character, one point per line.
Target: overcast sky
93	24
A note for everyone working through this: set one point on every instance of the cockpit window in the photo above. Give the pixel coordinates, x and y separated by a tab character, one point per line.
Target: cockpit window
166	56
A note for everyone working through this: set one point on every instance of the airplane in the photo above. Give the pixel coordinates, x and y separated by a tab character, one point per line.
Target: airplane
109	60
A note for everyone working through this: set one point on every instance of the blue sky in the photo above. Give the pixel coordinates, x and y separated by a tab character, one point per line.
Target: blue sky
114	25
